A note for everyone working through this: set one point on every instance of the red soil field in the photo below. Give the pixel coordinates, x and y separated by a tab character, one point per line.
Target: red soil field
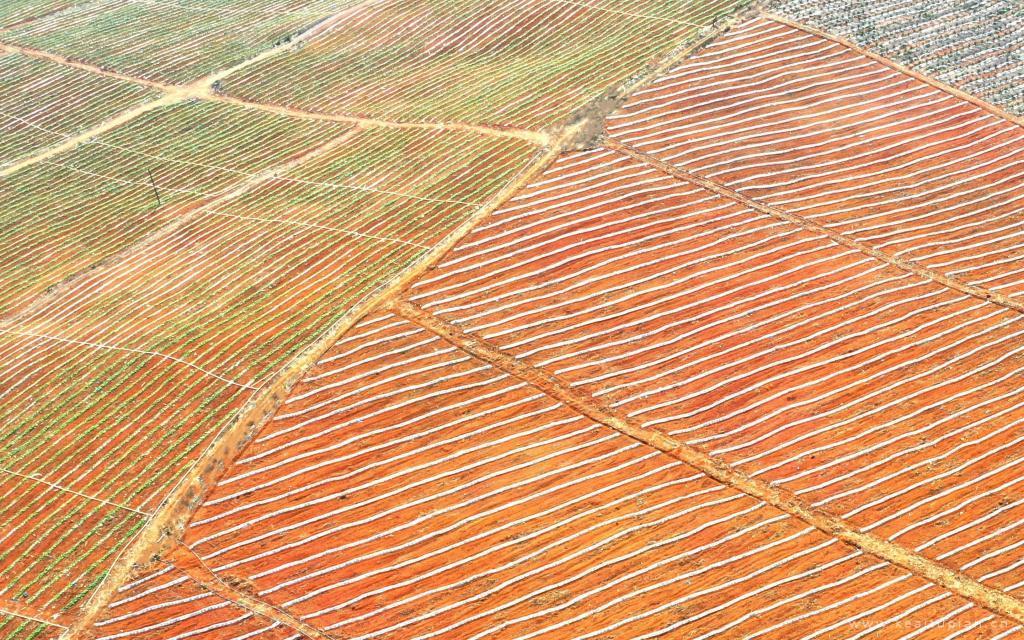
166	603
803	123
407	489
870	391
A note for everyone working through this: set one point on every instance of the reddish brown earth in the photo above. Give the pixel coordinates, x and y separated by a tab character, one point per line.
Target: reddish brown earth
165	602
808	125
409	488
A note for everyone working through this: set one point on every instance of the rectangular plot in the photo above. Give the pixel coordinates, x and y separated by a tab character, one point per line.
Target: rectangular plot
807	125
407	489
525	64
43	102
67	213
270	270
173	41
870	392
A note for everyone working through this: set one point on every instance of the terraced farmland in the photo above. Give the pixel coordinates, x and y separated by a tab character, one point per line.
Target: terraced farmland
476	319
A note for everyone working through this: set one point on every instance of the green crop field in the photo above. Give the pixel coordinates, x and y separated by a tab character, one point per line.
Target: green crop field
501	62
42	102
67	212
170	40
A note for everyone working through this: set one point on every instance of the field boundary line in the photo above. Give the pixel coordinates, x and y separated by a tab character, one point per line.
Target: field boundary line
917	75
39	54
173	94
188	561
994	600
114	347
808	225
187	215
5	610
202	89
539	138
175	510
70	142
58	487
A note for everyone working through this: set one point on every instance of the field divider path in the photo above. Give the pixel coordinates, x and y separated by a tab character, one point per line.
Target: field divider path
176	509
203	89
187	561
110	124
255	180
64	489
994	600
892	64
809	225
15	611
112	347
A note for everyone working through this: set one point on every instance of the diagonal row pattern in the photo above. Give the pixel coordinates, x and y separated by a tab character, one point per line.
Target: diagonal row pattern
169	40
14	627
522	63
195	249
408	489
863	388
974	46
118	379
166	603
805	124
43	102
117	188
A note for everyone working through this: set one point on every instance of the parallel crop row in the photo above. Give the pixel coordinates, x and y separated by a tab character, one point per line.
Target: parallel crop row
112	424
171	40
17	628
13	12
807	125
56	544
64	214
117	381
868	391
246	282
501	62
871	392
42	103
163	602
974	46
408	490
